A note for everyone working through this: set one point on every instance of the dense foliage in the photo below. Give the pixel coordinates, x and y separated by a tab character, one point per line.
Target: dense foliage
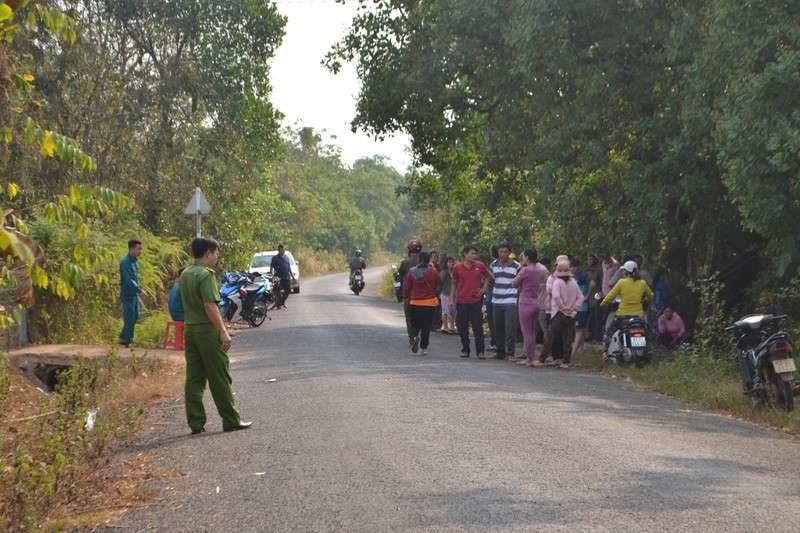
145	101
666	128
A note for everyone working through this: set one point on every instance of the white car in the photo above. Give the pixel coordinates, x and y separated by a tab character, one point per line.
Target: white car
261	263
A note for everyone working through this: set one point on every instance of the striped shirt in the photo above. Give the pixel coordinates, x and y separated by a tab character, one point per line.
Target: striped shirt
504	293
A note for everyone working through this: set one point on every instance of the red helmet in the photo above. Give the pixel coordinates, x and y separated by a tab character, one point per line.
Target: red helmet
414	246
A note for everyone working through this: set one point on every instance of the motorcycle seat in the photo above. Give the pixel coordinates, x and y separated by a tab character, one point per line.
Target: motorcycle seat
779	336
633	322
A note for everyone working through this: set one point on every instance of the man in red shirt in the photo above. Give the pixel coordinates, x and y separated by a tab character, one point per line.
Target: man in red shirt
470	280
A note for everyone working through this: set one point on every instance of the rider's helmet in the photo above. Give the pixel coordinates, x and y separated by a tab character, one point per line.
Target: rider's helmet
630	266
358	253
414	246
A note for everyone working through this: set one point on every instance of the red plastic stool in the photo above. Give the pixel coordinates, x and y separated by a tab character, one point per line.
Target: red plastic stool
178	342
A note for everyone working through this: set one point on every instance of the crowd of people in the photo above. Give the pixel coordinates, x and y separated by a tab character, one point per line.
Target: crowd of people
563	303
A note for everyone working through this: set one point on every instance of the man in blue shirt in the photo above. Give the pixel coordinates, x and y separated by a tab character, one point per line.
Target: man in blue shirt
129	291
283	275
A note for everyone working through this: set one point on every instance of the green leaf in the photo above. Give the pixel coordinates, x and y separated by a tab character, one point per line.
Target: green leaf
6	13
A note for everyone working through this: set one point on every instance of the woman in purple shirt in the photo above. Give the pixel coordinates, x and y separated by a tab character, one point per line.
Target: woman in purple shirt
528	281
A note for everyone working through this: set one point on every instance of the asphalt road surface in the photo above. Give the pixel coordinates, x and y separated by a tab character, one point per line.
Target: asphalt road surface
356	433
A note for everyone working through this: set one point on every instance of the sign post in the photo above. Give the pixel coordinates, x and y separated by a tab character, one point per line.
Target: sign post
198	206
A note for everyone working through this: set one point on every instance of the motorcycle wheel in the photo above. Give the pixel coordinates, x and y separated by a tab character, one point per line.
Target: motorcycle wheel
639	357
788	395
275	296
779	392
258	314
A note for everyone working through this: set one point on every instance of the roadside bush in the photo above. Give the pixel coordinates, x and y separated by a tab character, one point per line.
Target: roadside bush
5	387
316	263
94	315
150	331
386	287
47	458
710	338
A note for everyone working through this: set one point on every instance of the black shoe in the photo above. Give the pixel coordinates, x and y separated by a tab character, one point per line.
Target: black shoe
242	425
415	345
198	431
498	356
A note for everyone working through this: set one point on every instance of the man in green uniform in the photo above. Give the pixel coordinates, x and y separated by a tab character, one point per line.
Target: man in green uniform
206	341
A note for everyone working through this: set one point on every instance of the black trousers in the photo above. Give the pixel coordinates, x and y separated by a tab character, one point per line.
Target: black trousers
421	322
286	288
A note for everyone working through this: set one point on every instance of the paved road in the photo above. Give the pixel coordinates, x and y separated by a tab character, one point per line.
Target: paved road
358	434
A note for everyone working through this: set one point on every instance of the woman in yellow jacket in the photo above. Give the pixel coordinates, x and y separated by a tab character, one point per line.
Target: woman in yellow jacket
635	295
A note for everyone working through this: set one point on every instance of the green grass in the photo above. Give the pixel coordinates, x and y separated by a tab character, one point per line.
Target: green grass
713	383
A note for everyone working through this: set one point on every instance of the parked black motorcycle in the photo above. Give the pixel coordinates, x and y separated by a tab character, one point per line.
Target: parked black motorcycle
766	360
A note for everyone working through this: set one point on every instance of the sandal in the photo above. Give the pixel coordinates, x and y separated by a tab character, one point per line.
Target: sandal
563	366
549	360
524	362
481	356
464	354
423	351
536	364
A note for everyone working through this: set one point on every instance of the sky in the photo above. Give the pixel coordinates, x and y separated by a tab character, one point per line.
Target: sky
310	96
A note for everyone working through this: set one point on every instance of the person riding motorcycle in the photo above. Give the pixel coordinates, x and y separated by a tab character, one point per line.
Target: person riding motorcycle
635	295
357	262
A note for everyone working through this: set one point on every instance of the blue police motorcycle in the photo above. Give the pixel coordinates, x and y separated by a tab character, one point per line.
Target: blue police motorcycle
246	296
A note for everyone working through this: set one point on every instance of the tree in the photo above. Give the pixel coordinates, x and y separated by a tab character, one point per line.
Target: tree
597	124
22	256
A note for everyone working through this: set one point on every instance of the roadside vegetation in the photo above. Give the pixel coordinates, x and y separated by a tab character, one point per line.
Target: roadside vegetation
595	127
56	472
710	382
197	123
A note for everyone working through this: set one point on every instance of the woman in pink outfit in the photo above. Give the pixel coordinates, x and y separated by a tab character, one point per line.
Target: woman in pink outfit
566	299
671	328
528	281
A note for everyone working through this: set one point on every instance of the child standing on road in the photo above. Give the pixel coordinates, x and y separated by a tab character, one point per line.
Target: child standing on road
448	319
